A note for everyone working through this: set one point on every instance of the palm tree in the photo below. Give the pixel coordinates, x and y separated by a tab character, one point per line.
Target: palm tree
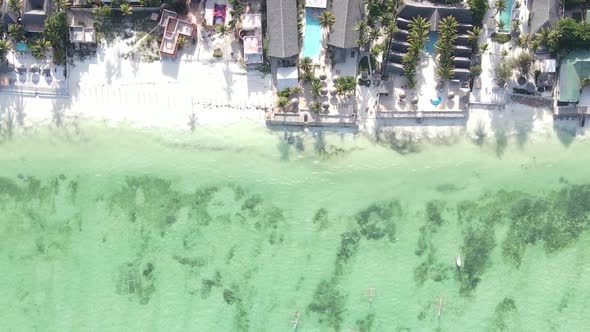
61	5
418	36
16	31
374	34
543	35
447	31
222	30
362	27
500	24
483	48
395	4
327	20
126	9
315	107
181	42
448	26
306	65
387	19
419	30
500	5
282	102
362	41
535	45
4	46
40	47
473	35
390	30
316	87
16	6
524	41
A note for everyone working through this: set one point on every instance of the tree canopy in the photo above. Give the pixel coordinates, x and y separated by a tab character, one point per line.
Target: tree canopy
345	84
478	10
568	35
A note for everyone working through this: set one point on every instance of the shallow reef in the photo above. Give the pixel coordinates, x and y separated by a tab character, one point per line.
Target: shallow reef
328	304
430	268
504	316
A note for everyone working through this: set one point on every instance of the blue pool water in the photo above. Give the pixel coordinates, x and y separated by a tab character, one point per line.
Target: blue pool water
430	46
312	39
506	15
21	47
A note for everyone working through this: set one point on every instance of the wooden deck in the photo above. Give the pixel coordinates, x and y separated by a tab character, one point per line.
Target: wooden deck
571	111
306	119
422	115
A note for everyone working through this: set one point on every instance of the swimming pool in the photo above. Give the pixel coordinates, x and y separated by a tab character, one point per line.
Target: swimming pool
430	46
506	15
21	47
312	39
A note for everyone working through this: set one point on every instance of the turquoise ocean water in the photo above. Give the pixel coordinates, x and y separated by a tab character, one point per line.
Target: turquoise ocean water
238	228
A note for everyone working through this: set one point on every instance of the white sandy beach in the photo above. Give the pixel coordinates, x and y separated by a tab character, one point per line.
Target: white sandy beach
161	94
188	92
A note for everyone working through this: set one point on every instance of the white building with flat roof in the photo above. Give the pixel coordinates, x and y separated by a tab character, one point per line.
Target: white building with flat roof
316	3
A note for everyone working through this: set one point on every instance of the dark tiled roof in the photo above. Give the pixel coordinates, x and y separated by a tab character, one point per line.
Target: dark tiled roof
348	14
283	41
544	13
462	15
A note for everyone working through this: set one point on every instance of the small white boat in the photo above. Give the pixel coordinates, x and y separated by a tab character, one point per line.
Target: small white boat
458	260
295	320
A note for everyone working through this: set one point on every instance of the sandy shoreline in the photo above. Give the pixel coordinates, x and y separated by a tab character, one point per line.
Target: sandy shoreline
515	120
189	92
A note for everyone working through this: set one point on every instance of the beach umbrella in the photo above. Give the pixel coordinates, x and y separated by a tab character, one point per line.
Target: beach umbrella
324	91
402	95
521	80
323	77
35	78
415	100
451	95
333	92
530	87
294	101
326	105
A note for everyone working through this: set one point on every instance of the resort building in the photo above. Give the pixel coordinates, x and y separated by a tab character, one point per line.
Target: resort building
344	37
462	48
283	38
573	95
34	15
287	77
316	4
174	28
543	14
572	90
82	36
251	34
